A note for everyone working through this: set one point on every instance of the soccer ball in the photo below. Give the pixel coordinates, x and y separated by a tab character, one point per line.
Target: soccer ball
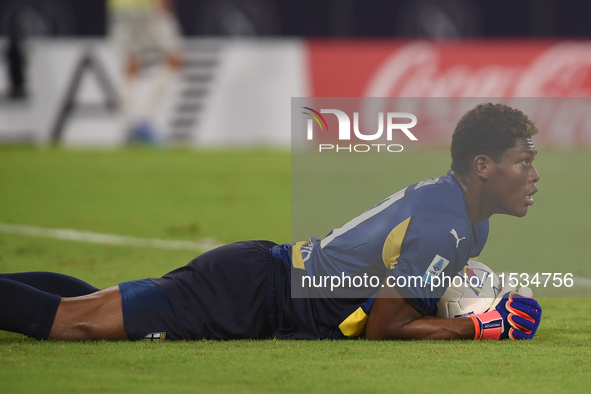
472	291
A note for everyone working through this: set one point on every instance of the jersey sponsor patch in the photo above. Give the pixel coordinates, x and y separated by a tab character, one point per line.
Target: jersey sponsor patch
435	268
155	336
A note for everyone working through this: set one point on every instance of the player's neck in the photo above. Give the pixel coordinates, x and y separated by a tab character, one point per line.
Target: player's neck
472	191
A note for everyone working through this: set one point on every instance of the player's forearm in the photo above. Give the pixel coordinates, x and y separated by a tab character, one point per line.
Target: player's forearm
427	327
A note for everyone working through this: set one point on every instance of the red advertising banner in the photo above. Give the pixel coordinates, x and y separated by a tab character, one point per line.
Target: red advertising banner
392	68
548	80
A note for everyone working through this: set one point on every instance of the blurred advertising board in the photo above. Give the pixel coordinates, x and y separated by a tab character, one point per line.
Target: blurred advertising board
238	91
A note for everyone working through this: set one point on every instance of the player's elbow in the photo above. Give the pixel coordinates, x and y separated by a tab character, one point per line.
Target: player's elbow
381	332
374	336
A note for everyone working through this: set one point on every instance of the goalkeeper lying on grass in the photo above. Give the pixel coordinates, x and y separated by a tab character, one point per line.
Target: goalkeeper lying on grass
258	289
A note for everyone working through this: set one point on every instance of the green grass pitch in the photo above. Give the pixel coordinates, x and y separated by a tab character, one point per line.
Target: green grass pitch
235	195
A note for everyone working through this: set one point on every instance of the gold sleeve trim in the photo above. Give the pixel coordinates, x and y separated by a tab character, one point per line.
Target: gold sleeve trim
297	261
393	243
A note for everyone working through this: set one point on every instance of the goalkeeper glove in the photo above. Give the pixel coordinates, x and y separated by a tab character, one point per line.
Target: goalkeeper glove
515	317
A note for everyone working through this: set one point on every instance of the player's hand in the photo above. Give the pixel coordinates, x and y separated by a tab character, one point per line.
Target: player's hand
524	316
515	317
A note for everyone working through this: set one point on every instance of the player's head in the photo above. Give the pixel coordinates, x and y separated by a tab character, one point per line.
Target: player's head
492	147
489	129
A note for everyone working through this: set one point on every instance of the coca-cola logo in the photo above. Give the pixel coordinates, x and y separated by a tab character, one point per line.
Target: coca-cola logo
415	71
553	90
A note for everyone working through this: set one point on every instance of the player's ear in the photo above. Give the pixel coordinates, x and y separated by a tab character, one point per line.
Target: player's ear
483	165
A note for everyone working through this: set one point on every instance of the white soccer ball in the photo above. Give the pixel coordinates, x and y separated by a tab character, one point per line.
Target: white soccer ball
473	291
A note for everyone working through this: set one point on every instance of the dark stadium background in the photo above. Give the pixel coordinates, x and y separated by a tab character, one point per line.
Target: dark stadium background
322	18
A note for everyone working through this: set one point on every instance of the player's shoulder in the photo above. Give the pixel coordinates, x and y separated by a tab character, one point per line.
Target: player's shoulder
439	225
439	209
436	196
445	186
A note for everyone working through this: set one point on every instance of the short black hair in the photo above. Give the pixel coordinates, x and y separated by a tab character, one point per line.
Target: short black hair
488	129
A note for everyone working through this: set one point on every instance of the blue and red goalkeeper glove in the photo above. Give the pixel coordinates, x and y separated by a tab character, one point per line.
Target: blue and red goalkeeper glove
515	317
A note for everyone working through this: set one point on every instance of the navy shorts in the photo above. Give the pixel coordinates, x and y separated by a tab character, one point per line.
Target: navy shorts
226	293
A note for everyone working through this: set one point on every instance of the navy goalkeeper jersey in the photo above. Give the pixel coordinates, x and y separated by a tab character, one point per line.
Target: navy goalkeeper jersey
414	237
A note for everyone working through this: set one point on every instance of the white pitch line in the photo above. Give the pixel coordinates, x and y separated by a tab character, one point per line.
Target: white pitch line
582	281
202	245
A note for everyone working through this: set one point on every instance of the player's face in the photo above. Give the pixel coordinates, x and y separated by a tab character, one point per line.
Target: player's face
513	179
